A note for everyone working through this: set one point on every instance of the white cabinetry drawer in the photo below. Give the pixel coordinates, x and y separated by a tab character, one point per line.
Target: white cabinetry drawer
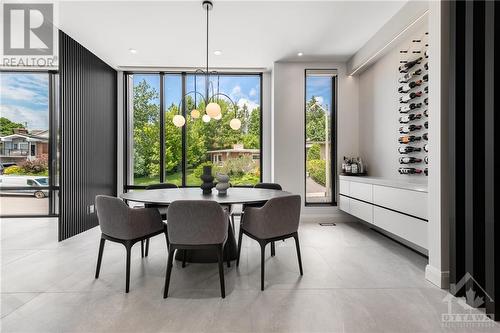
361	210
361	191
344	203
344	187
409	228
406	201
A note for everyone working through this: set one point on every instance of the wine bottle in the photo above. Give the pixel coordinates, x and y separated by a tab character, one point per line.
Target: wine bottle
426	171
408	149
405	67
426	101
426	53
426	124
426	89
409	117
407	87
426	147
409	171
426	159
426	77
426	113
409	159
409	107
408	97
426	136
408	76
409	138
426	66
409	128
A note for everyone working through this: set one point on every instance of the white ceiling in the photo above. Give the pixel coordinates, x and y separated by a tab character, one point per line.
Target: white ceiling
251	34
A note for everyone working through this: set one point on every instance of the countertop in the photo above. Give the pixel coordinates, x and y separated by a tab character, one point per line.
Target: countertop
419	186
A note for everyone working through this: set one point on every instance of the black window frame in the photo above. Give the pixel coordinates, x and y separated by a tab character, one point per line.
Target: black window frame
333	130
126	124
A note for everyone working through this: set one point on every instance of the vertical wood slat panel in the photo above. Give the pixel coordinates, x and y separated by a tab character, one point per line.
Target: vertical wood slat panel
88	134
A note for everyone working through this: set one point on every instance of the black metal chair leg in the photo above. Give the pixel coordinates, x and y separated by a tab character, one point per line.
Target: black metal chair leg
273	249
169	271
166	239
296	237
147	247
99	257
128	246
184	258
220	259
142	249
240	238
262	255
232	221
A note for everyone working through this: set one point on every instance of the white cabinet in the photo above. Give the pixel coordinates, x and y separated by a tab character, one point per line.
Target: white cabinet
361	210
344	204
344	187
406	201
361	191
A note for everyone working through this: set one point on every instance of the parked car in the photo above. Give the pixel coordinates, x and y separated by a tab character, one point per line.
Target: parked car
24	183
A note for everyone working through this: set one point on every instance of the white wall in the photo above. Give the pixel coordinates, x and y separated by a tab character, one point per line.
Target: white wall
378	113
288	124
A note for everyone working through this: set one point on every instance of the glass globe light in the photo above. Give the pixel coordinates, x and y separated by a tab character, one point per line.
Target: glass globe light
195	114
219	117
235	124
205	118
179	120
213	109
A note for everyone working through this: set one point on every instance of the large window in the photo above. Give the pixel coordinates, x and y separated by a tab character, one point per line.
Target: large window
28	146
158	151
319	134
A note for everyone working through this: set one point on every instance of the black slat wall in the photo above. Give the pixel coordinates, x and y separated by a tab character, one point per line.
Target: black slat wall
474	237
88	134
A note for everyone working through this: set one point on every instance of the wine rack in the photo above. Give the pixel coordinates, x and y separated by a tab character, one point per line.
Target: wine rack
413	121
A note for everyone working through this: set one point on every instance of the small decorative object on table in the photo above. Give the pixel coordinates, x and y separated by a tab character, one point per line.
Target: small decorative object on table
222	183
208	180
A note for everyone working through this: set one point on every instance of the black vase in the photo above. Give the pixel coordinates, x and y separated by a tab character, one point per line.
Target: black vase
208	180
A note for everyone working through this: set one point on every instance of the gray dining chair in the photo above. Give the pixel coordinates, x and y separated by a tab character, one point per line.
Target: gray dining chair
121	224
161	208
196	224
277	220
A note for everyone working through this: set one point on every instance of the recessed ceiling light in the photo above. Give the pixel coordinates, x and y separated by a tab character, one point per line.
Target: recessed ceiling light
133	51
217	52
300	54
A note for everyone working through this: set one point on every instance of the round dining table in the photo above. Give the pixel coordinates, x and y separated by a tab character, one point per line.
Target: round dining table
235	195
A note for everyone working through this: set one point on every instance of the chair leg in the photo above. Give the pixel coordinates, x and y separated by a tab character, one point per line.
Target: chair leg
147	247
220	259
99	257
273	249
262	255
184	258
166	239
142	249
296	237
128	247
240	238
169	271
232	221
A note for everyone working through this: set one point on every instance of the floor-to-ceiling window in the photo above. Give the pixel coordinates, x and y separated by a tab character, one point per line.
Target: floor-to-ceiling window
28	143
158	151
320	103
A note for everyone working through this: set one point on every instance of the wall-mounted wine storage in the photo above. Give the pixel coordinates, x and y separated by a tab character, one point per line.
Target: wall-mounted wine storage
413	114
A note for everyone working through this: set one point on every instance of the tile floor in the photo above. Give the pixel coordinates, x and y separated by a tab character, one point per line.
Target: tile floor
355	280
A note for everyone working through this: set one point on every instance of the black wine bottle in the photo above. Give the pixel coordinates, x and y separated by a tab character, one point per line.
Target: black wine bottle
409	107
409	138
409	117
426	89
405	67
426	147
426	77
409	159
408	149
407	87
426	113
426	101
408	76
426	66
409	171
426	171
426	159
426	136
426	124
408	97
409	128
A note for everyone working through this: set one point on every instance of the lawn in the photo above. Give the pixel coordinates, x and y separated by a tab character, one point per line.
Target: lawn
192	180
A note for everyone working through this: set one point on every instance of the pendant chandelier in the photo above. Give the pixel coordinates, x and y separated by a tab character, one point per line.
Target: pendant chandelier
210	98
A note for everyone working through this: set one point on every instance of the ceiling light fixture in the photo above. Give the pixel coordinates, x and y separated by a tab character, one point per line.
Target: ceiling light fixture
213	109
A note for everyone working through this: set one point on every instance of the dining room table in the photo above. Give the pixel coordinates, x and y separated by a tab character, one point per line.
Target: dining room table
234	196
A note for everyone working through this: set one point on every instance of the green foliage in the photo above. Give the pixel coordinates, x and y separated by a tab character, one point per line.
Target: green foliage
198	171
13	170
317	171
237	167
38	167
7	127
314	152
315	121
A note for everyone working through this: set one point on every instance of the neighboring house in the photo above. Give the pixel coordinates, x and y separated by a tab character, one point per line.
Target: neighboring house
218	157
22	145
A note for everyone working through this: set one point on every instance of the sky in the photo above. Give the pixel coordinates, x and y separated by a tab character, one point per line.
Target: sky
321	88
24	98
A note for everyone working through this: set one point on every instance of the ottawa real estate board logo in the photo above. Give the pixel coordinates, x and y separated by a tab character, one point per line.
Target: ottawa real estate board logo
28	35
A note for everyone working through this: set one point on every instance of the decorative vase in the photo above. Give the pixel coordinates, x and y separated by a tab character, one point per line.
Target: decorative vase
208	180
222	183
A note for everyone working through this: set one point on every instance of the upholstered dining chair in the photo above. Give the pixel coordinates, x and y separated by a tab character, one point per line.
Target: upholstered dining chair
161	208
121	224
196	224
277	220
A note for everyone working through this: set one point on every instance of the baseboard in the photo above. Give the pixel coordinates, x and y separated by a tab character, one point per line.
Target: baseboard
437	277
